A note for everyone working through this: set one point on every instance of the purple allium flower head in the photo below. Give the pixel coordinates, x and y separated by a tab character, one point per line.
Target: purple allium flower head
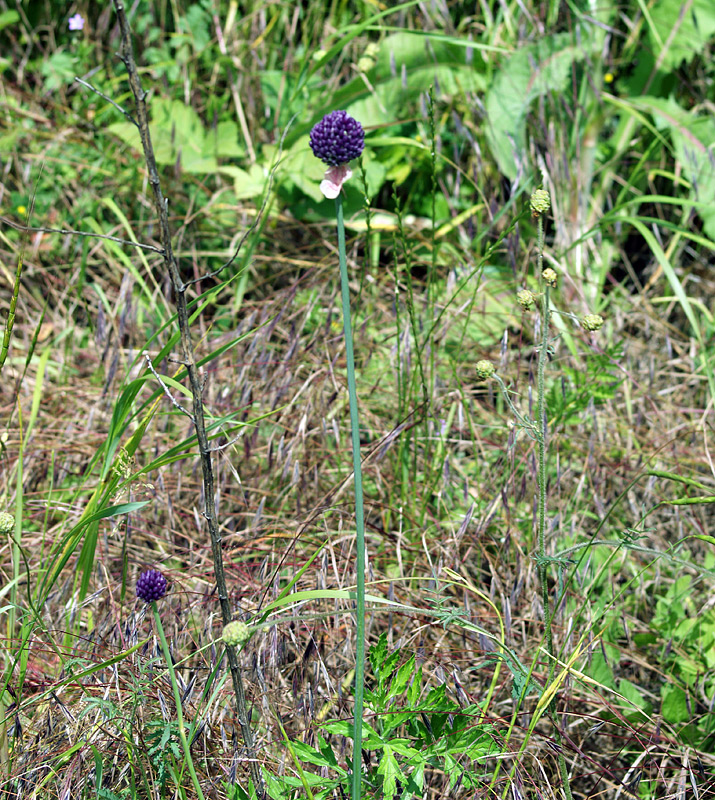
76	22
337	139
151	586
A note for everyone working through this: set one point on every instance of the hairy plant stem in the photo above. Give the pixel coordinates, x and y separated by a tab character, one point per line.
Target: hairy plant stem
541	434
172	267
359	515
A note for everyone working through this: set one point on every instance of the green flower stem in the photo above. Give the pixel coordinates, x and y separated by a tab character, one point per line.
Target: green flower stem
541	435
359	516
177	701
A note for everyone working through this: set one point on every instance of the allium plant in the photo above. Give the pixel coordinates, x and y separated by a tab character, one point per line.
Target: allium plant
336	140
152	586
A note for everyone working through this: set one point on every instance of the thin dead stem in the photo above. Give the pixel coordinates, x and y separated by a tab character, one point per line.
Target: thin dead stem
210	511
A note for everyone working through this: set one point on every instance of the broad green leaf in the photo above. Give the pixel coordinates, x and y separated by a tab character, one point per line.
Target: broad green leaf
679	30
531	72
246	184
225	140
693	138
631	692
301	168
675	706
179	135
408	64
8	18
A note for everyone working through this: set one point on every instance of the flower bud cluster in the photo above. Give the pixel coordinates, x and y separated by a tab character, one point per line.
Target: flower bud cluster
151	586
549	275
337	139
485	369
540	202
592	322
236	633
525	299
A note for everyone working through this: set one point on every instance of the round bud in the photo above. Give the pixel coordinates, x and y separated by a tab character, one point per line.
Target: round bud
525	299
236	633
485	369
337	139
151	586
592	322
549	275
540	202
7	522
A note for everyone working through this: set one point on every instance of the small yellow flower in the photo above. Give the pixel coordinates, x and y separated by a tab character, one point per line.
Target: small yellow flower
592	322
549	275
485	369
609	77
21	210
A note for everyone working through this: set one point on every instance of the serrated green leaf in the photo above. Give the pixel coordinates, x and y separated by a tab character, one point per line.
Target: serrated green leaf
402	677
679	31
378	653
391	773
415	688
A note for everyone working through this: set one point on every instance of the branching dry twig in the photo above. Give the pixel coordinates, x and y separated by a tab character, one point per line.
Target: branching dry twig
210	512
26	229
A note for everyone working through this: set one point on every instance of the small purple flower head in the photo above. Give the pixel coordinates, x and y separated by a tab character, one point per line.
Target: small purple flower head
76	22
151	586
337	139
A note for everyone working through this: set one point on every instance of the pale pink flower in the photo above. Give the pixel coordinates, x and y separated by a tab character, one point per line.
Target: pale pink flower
335	177
76	22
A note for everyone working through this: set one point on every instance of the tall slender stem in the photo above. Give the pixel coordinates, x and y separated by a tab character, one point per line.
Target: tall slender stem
359	515
541	433
187	355
542	444
177	700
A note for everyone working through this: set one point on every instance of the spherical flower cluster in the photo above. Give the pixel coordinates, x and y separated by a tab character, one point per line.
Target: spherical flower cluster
540	202
337	139
7	522
236	633
525	299
550	276
151	586
485	369
592	322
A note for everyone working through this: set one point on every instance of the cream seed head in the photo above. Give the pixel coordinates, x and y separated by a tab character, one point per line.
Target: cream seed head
592	322
525	299
485	369
540	202
7	522
549	275
236	633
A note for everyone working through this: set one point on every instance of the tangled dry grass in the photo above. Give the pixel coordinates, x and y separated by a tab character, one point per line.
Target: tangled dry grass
282	474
